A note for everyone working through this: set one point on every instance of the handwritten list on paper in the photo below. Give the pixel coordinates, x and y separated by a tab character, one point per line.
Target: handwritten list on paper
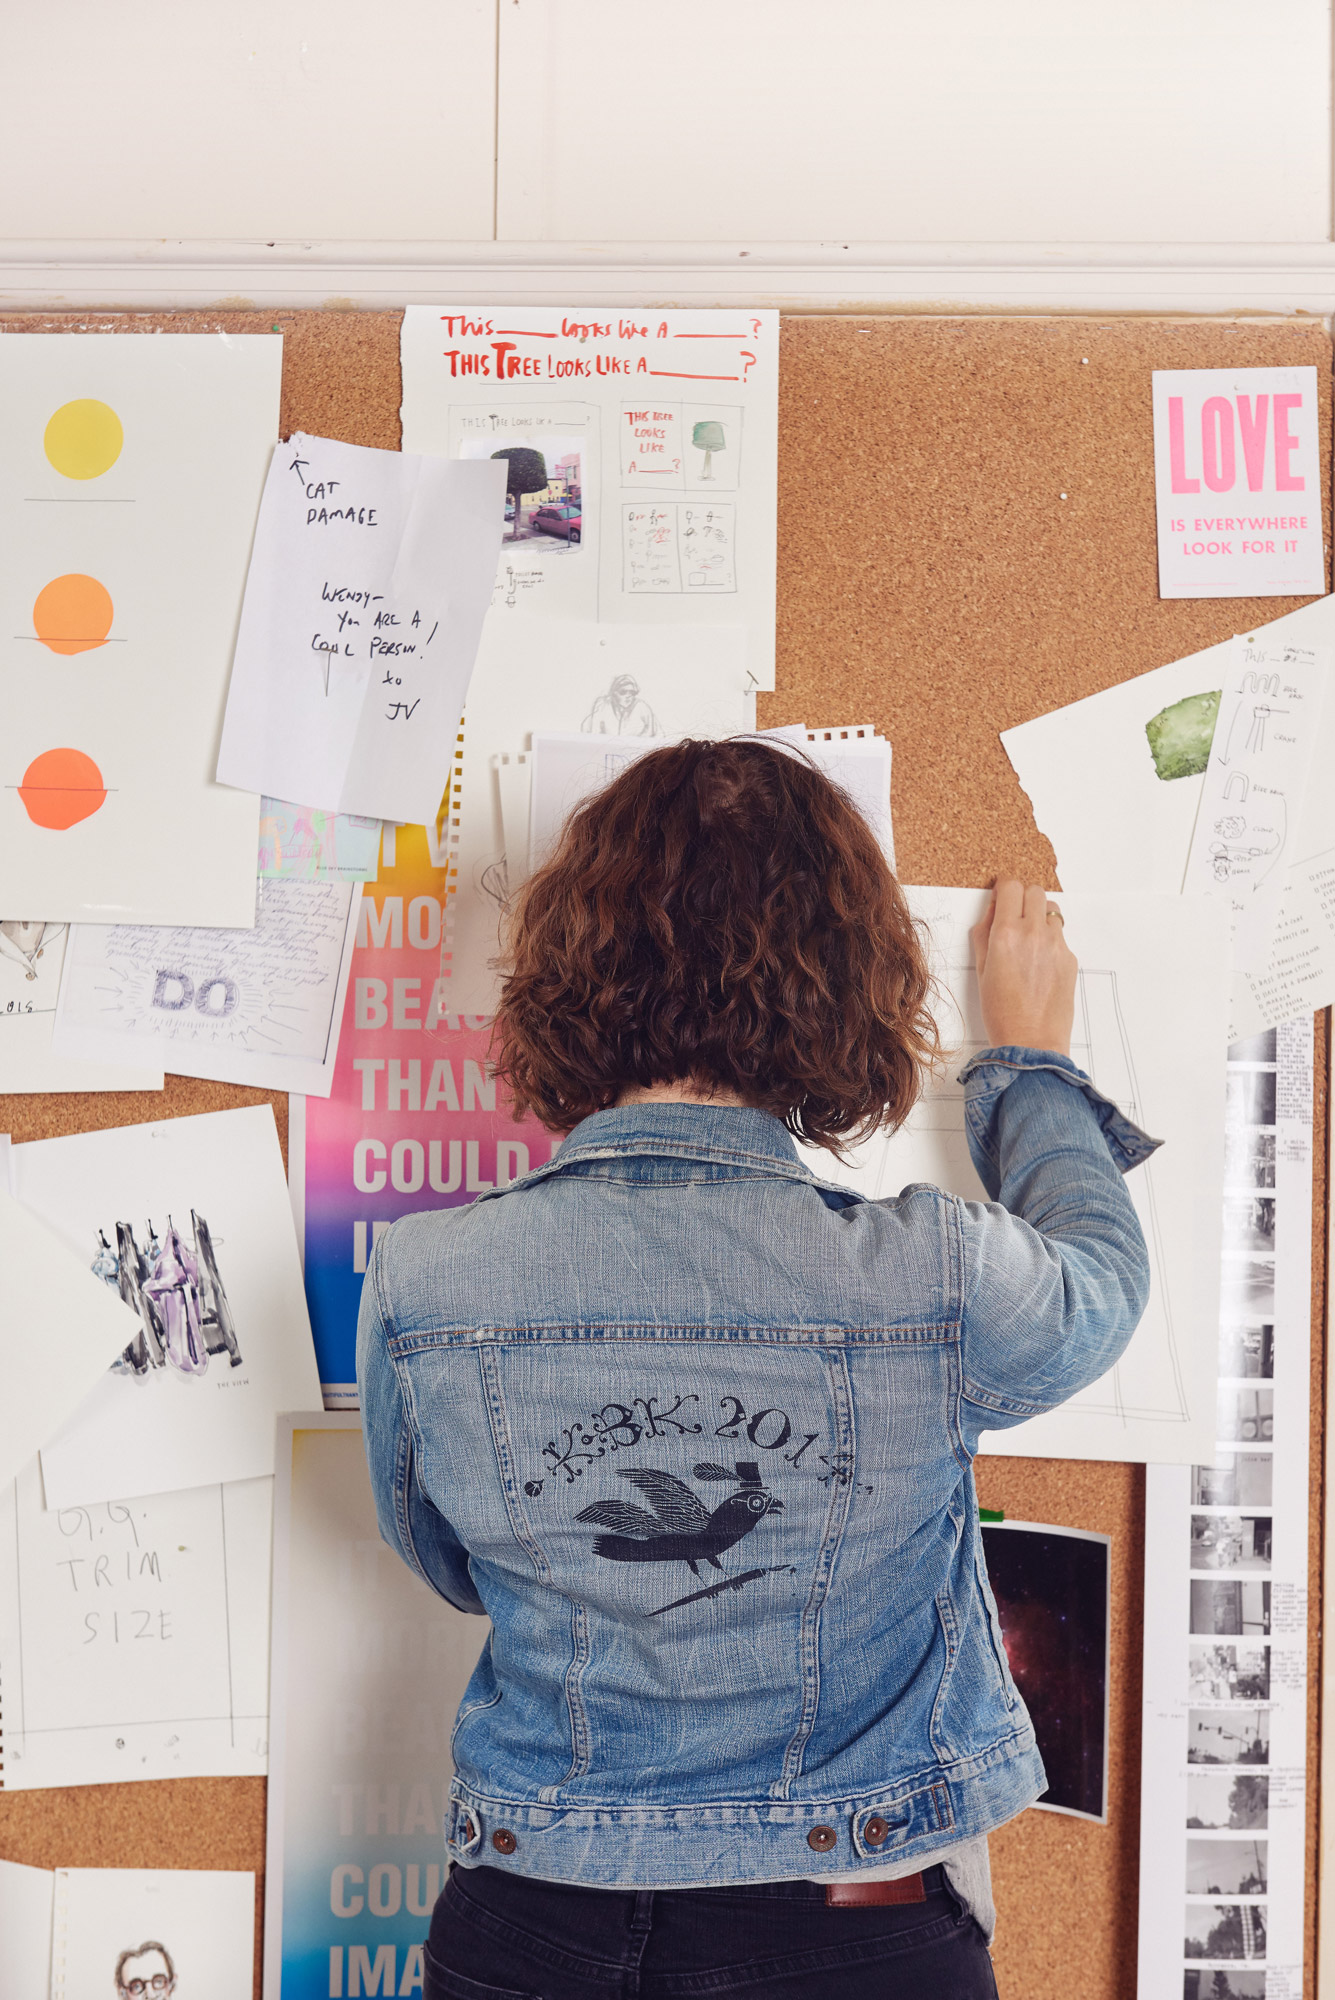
370	577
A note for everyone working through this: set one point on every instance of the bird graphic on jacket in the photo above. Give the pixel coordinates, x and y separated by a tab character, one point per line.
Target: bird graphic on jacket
680	1528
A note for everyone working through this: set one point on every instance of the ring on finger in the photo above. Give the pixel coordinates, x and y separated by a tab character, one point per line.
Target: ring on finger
1053	911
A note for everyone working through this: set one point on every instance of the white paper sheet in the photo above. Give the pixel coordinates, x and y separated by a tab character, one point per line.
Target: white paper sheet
194	1212
314	846
368	583
130	474
60	1330
31	957
1150	1031
25	1926
658	434
369	1666
1237	482
1255	785
258	1007
859	760
134	1635
514	784
199	1923
1117	825
1224	1748
566	770
624	684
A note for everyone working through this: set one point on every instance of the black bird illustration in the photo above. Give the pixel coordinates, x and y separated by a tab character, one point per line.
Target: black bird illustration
681	1528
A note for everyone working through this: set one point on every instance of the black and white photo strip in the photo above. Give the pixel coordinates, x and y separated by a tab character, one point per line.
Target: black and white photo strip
1227	1750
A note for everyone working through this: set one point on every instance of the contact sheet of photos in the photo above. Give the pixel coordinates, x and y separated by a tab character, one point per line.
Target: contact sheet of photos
1224	1771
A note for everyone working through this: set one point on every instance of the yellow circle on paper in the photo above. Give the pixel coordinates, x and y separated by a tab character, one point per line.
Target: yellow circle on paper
83	439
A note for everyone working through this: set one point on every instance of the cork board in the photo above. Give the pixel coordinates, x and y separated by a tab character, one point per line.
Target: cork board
966	540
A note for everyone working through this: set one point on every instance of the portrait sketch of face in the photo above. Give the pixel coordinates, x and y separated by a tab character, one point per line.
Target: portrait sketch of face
144	1970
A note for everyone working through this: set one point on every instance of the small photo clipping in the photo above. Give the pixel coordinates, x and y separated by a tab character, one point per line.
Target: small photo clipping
1240	1479
1225	1930
1227	1801
1230	1607
1228	1673
1232	1736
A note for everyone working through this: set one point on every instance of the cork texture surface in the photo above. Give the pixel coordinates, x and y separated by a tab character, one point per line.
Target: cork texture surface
966	540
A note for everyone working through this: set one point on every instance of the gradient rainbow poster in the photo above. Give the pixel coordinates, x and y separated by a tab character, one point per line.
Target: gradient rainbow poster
414	1120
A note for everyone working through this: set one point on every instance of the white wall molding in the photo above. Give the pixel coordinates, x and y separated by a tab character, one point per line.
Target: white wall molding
1160	279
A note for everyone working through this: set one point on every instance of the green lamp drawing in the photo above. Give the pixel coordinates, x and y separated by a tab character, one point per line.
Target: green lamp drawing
708	437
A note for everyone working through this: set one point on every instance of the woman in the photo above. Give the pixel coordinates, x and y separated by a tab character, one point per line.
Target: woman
695	1429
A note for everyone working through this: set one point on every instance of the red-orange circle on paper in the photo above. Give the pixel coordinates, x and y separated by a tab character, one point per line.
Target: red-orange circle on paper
73	614
60	788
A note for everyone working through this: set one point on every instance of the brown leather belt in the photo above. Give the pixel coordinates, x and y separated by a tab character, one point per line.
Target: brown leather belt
863	1895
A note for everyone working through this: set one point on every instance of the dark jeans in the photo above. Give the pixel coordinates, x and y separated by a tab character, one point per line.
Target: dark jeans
496	1936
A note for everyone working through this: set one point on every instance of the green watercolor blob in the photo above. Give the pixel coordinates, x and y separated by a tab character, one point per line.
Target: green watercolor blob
1180	736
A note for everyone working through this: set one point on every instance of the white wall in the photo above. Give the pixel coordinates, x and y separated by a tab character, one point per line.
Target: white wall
138	119
1092	121
653	121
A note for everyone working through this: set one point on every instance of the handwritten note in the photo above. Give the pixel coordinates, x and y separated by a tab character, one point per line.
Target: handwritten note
134	1634
369	580
1257	773
259	1007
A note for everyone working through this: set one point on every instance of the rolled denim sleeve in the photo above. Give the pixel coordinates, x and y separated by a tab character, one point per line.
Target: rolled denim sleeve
410	1522
1055	1269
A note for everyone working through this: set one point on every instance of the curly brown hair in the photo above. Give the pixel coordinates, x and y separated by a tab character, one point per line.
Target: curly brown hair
721	914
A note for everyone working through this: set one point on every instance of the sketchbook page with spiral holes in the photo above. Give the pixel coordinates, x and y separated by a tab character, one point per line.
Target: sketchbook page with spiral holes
261	1007
25	1928
60	1330
189	1222
153	1932
130	477
134	1634
1150	1031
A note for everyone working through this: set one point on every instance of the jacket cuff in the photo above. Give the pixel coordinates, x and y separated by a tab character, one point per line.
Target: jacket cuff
992	1071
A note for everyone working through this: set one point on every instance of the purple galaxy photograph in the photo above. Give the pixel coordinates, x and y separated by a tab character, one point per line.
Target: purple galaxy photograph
1051	1587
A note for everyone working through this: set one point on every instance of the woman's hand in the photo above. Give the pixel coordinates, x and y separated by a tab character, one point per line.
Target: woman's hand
1026	970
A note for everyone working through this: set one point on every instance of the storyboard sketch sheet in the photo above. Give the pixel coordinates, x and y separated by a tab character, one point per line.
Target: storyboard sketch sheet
1223	1780
641	456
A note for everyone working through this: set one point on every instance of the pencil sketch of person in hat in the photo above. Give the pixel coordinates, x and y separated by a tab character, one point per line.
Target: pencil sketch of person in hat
622	711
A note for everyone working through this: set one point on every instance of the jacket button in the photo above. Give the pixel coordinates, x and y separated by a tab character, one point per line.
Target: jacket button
504	1841
876	1832
822	1838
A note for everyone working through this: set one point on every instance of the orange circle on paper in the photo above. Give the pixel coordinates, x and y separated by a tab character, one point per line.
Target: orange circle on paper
73	614
60	788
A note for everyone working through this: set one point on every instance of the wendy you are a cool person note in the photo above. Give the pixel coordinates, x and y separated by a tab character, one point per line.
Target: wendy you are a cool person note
1237	482
368	583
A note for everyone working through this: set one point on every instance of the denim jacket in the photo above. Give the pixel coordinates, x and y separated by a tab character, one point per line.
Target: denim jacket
696	1430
